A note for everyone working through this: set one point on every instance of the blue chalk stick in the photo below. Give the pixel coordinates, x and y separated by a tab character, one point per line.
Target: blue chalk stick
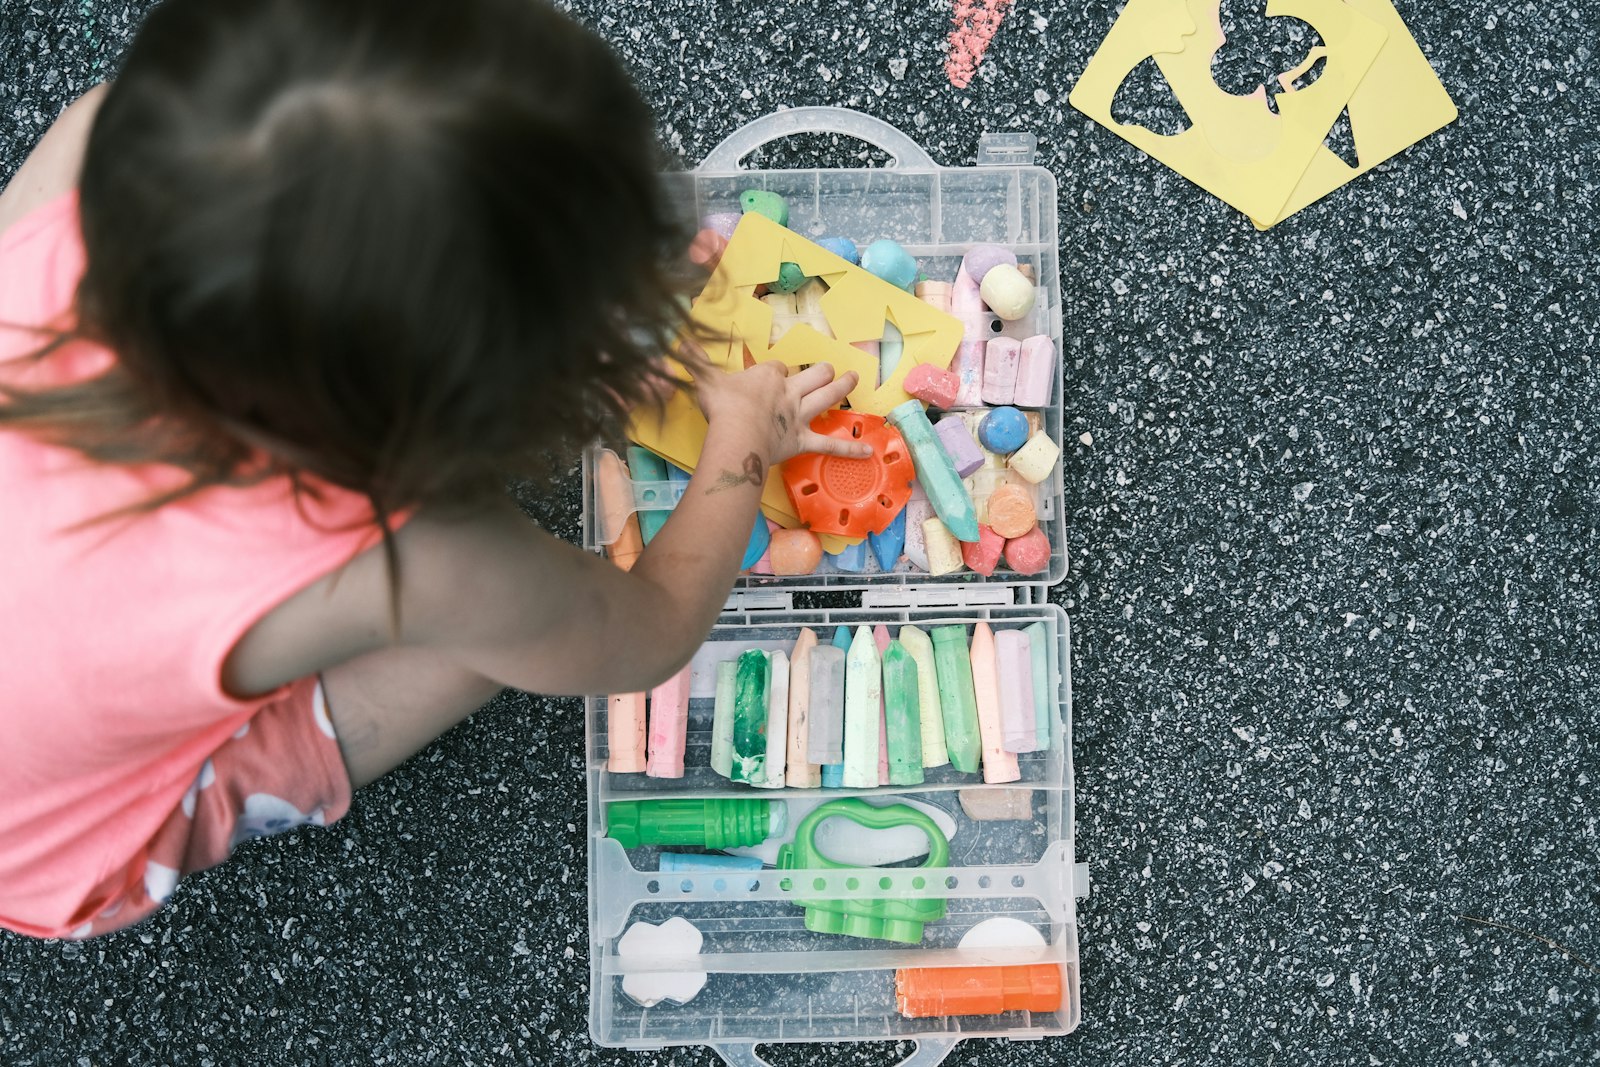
888	545
760	537
690	861
853	560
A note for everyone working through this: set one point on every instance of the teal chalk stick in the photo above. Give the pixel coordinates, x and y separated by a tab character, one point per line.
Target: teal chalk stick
1044	702
958	698
863	690
722	719
936	472
904	715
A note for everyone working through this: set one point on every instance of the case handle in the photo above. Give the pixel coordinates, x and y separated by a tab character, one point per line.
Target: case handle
930	1052
904	153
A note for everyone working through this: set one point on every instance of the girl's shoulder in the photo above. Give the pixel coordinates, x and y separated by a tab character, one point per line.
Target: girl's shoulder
41	262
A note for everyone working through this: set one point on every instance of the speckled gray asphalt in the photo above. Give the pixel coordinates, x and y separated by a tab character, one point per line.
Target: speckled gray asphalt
1334	589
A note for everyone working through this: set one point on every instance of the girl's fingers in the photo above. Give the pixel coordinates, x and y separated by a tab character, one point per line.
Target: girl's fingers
833	446
692	356
813	377
821	399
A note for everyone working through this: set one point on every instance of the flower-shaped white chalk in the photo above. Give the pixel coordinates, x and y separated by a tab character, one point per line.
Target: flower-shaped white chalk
674	938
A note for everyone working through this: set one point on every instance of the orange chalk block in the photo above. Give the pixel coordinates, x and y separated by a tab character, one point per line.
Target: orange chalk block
625	733
794	552
1010	512
933	992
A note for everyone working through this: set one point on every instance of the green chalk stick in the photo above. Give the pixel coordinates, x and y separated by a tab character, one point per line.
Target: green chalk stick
645	466
904	714
722	719
863	692
750	717
958	699
1044	701
920	649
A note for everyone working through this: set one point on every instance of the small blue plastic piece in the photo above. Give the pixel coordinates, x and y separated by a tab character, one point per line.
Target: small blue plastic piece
842	247
689	861
887	546
1003	430
760	537
646	466
889	261
853	560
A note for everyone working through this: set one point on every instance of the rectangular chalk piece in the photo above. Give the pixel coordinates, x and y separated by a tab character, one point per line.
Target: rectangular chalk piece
998	764
880	640
959	444
722	719
957	698
1000	358
863	690
669	721
1015	662
918	510
1036	372
625	733
1036	459
777	720
900	698
944	551
799	771
826	741
920	648
1043	700
750	708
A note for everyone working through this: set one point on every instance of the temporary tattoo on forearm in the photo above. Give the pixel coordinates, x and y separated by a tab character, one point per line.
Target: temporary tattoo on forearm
755	473
782	420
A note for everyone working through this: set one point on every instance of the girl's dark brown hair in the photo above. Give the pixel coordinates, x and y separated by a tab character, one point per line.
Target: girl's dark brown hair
403	246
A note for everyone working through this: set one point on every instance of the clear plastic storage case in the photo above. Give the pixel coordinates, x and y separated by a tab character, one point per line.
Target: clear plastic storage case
768	978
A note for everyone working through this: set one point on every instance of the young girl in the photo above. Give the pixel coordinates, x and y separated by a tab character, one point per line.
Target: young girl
283	308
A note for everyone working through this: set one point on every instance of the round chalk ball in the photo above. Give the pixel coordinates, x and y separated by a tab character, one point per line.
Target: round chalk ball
1030	553
790	278
842	247
762	202
794	552
1007	292
981	259
1003	430
889	261
1011	512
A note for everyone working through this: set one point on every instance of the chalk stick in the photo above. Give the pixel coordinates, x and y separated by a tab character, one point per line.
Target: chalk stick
1036	372
833	773
645	466
940	482
930	715
750	717
957	697
756	547
944	551
863	689
900	696
764	564
918	511
880	641
722	715
615	493
998	764
966	304
934	294
852	559
800	772
1036	459
778	720
1014	660
669	721
1043	700
959	444
887	545
1000	358
825	742
890	348
933	386
625	733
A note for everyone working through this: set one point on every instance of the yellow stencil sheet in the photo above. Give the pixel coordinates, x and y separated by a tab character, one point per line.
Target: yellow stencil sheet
1236	149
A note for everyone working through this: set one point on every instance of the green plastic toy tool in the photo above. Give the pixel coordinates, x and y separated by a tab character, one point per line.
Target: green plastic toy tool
883	920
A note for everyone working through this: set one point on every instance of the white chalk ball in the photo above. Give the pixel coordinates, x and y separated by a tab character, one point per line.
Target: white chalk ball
1007	292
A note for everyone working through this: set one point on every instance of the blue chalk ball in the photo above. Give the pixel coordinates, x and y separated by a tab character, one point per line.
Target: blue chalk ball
1003	430
842	247
760	537
889	261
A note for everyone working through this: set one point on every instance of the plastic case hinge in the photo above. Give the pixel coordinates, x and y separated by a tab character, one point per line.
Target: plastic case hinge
1007	150
939	596
744	600
1080	880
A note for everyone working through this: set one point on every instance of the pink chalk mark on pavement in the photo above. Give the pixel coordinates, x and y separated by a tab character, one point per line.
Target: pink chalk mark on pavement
975	24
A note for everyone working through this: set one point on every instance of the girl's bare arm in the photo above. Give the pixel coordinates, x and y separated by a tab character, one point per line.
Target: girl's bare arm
52	167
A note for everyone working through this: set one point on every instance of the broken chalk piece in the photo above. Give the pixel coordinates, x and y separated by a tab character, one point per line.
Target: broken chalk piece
722	715
842	247
1000	357
983	555
930	715
1010	510
825	742
935	471
1030	553
764	202
625	733
889	543
1036	372
863	689
851	559
918	511
1043	701
777	721
1003	430
998	764
1014	659
799	771
1036	459
669	722
997	805
944	551
957	698
901	701
794	552
980	259
956	436
934	387
750	717
1007	293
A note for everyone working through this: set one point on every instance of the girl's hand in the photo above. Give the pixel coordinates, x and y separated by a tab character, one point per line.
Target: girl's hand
775	406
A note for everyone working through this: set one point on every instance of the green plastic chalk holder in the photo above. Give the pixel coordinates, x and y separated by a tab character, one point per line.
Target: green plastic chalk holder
882	920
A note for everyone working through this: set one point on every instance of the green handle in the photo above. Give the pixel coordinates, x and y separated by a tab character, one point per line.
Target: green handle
872	817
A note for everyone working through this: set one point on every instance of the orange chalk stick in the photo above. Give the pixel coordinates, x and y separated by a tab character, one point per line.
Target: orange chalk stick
933	992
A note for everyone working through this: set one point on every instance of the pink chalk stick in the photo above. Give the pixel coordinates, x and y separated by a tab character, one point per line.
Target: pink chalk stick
880	637
1000	359
935	294
983	555
998	764
1030	553
764	564
966	304
958	441
1014	656
669	720
1036	372
625	730
933	386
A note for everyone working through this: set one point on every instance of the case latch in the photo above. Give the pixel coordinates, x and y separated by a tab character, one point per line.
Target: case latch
1007	150
976	595
748	600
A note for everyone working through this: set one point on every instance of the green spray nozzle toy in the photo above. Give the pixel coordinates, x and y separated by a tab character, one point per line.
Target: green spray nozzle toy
883	920
709	823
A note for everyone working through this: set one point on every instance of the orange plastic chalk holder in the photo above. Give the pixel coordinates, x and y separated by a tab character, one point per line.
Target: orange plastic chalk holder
848	496
930	992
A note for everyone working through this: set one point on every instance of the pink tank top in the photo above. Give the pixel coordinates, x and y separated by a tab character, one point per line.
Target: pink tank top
112	638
